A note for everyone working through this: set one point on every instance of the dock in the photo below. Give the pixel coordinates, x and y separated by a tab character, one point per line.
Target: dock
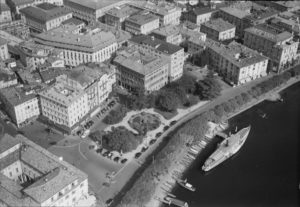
175	201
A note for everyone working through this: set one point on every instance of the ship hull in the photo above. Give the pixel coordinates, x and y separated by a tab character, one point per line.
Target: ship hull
223	152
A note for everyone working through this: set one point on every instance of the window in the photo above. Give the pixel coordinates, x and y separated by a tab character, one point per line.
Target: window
10	174
17	170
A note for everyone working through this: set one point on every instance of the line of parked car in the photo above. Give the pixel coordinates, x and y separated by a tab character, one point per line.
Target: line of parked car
85	129
104	110
110	155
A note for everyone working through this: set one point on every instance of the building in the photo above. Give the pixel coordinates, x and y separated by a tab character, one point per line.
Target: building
199	15
92	10
274	43
218	29
78	47
34	55
16	28
172	53
142	23
7	78
44	17
116	16
32	176
196	43
281	6
287	20
140	70
74	22
20	104
5	14
96	79
3	49
237	63
168	13
169	33
16	5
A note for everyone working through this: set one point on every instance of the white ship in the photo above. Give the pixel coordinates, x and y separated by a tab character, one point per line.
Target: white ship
227	148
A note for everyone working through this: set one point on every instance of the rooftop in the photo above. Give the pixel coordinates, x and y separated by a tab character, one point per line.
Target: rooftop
161	8
236	53
5	76
219	25
22	2
3	41
267	31
33	49
142	63
202	10
51	74
167	30
73	21
235	12
45	12
159	45
55	174
4	7
123	11
16	95
95	4
142	18
68	37
7	142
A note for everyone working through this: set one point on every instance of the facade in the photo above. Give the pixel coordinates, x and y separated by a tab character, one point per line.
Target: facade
5	14
218	29
21	105
116	16
235	62
34	55
142	23
169	33
91	10
168	13
3	49
172	53
196	44
199	15
94	45
44	17
7	78
142	70
274	43
287	20
32	176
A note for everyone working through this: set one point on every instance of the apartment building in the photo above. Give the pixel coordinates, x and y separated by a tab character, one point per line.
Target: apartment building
16	5
44	17
237	63
34	55
172	53
20	104
288	21
168	13
142	23
7	78
281	6
32	176
93	45
218	29
140	70
275	43
169	33
3	49
116	16
92	10
5	14
200	15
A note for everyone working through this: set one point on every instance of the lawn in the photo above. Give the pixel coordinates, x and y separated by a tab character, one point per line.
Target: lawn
144	122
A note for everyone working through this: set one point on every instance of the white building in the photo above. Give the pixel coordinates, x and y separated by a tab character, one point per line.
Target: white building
3	49
7	78
5	14
172	53
48	180
94	45
142	23
21	105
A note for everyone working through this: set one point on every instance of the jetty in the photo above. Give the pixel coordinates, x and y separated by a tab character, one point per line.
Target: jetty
175	201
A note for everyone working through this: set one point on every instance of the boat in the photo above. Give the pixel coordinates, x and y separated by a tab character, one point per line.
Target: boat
175	201
186	185
227	148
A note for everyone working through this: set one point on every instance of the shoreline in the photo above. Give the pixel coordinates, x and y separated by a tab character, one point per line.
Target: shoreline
155	202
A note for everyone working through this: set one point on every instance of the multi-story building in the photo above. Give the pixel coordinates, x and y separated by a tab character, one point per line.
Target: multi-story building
64	103
168	13
237	63
116	16
5	14
274	43
93	45
92	10
34	55
142	23
7	78
96	80
172	53
218	29
281	6
200	15
140	70
16	28
20	104
169	33
44	17
196	44
287	20
3	49
32	176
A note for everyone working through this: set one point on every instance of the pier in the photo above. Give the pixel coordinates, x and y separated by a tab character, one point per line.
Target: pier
175	201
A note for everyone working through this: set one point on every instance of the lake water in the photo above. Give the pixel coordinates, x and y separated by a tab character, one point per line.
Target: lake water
265	172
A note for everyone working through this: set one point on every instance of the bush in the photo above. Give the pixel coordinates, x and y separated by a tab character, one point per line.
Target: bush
115	116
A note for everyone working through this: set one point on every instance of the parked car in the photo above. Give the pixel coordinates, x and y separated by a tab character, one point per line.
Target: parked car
105	154
152	141
85	134
144	149
158	134
137	155
99	150
110	154
123	160
173	122
79	132
109	202
166	128
116	159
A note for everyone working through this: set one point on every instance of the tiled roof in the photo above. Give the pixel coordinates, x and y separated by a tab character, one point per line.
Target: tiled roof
5	76
142	18
159	45
7	142
202	10
50	74
235	12
95	4
219	25
167	30
3	41
73	21
4	7
16	95
161	8
122	11
22	2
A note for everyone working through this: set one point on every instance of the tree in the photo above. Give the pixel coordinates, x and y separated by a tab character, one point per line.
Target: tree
181	94
115	116
246	97
219	111
227	107
209	88
188	83
234	104
239	100
167	101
